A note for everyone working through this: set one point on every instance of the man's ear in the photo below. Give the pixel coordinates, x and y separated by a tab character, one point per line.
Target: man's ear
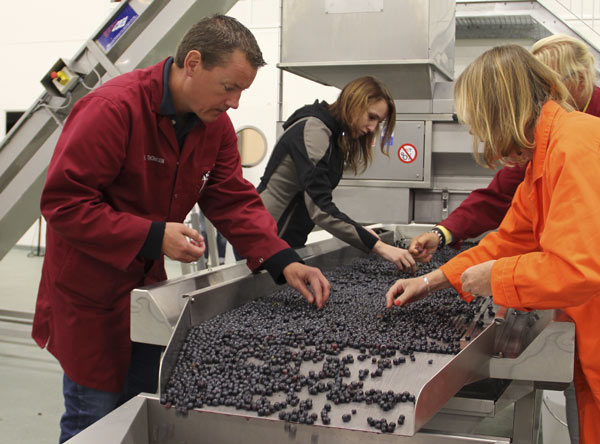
192	62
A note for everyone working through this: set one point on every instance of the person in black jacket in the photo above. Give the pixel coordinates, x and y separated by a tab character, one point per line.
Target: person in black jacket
307	163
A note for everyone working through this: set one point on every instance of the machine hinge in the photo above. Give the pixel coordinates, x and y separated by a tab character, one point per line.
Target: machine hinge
445	198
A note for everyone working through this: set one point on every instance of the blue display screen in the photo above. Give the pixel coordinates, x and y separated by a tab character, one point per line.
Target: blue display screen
117	27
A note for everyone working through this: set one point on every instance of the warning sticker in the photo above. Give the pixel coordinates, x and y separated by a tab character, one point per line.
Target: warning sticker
407	153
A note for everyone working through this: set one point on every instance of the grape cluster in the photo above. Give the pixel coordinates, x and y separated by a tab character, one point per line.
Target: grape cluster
256	357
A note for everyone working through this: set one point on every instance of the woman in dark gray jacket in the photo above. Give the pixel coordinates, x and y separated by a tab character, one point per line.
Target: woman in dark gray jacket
308	161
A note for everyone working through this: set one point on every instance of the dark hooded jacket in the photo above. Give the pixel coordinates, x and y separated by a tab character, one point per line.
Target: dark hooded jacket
304	168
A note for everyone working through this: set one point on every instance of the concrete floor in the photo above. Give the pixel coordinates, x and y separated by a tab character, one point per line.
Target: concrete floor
32	402
32	379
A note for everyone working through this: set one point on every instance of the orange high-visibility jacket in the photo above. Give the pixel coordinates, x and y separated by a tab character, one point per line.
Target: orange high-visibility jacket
548	245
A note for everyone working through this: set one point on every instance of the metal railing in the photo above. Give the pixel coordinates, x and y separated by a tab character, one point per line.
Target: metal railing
583	16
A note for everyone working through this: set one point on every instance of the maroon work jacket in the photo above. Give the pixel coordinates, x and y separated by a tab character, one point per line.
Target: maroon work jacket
116	168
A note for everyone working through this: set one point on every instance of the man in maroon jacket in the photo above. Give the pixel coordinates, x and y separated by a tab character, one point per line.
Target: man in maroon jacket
134	157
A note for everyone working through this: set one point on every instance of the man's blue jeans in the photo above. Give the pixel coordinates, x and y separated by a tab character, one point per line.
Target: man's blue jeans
84	406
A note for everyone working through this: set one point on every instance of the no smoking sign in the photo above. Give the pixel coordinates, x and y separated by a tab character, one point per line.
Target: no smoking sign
407	153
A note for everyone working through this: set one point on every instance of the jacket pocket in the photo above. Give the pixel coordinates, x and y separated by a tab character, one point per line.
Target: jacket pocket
92	283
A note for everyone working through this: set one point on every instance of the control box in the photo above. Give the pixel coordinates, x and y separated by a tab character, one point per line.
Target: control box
60	79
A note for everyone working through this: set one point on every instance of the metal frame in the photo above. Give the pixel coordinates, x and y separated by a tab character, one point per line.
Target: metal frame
26	150
515	346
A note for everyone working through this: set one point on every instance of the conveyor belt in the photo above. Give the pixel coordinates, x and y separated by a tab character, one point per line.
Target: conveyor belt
426	376
540	349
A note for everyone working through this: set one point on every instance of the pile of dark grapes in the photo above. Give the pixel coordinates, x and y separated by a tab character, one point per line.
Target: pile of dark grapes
255	357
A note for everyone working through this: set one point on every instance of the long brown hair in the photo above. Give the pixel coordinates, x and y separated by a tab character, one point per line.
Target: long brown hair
500	96
353	101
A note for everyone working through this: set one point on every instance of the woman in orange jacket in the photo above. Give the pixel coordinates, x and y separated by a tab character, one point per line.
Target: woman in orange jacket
546	252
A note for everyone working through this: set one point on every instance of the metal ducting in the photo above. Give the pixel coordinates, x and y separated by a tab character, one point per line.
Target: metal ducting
335	41
499	27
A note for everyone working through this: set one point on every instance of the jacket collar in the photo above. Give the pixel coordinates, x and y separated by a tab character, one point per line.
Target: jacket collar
549	112
166	104
156	85
593	107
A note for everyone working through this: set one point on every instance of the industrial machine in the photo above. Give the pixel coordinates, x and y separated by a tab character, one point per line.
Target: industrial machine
410	46
418	74
511	354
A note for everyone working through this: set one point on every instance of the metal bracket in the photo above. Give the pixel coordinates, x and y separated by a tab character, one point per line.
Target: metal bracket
445	199
97	53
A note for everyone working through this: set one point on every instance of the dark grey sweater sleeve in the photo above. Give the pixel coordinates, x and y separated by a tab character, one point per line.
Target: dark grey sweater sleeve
312	159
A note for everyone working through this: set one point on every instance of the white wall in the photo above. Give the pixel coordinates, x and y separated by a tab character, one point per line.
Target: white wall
34	34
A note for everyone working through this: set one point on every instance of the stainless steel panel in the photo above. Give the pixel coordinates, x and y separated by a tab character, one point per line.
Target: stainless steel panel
143	420
215	427
374	204
432	383
155	309
443	101
460	169
346	36
540	350
532	338
451	137
430	206
418	45
126	425
406	155
407	80
519	406
345	6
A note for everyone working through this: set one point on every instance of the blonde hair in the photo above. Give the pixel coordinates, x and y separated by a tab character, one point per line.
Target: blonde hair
500	96
573	62
353	101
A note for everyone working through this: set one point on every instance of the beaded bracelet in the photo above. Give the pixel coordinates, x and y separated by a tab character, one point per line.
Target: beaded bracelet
437	231
426	279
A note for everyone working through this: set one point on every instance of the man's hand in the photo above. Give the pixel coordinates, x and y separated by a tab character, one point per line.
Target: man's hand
477	279
423	246
176	245
299	275
399	256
